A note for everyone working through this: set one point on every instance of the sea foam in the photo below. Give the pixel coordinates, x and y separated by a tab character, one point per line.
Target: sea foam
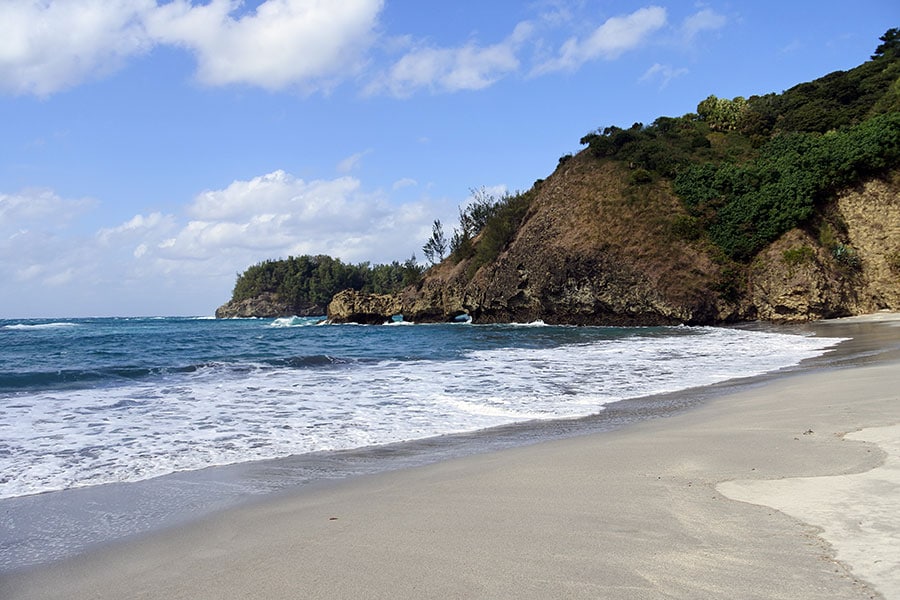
219	412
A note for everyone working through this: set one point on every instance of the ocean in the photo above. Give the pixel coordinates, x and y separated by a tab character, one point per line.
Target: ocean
88	403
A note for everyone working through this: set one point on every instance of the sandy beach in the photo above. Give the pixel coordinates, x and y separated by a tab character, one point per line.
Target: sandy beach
788	489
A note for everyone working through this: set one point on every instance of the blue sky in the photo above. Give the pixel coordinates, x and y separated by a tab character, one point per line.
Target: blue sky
152	149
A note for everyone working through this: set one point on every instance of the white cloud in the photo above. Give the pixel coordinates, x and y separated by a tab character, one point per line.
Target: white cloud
468	67
42	208
662	73
159	263
275	193
137	224
303	45
609	41
278	214
705	20
284	43
50	45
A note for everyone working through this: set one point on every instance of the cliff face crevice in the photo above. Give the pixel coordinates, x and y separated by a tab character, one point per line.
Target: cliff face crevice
594	249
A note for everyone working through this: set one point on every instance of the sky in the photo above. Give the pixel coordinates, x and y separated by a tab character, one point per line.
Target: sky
151	150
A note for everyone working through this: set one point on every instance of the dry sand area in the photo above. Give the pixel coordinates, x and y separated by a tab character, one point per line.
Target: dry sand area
788	489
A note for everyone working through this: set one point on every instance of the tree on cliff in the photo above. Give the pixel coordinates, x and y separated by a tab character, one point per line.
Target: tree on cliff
436	246
890	44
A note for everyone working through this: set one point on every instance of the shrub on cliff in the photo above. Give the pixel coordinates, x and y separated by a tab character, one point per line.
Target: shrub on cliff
749	205
500	228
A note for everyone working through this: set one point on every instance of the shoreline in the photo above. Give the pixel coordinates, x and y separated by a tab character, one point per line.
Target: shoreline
630	512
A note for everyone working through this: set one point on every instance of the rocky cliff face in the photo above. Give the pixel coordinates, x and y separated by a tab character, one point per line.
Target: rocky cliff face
872	216
597	249
852	267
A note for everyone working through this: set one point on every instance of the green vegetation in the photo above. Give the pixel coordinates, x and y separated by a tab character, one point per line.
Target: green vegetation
749	205
316	279
494	220
686	227
748	170
798	256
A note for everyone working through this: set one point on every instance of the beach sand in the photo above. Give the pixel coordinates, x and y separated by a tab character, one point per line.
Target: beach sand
704	504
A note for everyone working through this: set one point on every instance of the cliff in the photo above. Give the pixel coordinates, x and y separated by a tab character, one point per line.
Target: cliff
595	248
590	250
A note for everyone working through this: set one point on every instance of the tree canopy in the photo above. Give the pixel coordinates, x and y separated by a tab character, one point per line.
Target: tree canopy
314	280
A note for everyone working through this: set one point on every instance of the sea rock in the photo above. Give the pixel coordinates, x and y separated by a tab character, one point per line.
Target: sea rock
267	305
350	306
794	279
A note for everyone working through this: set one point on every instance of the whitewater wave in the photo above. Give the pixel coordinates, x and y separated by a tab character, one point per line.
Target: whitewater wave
29	326
296	321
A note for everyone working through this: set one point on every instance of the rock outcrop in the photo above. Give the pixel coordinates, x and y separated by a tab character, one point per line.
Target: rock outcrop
266	306
366	309
795	279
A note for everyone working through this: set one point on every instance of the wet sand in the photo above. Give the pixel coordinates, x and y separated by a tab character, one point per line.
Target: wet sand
647	511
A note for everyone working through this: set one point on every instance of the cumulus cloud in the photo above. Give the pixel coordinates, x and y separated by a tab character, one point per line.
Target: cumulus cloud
158	263
277	193
284	43
468	67
50	45
610	40
46	46
303	45
34	225
278	214
138	223
39	207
